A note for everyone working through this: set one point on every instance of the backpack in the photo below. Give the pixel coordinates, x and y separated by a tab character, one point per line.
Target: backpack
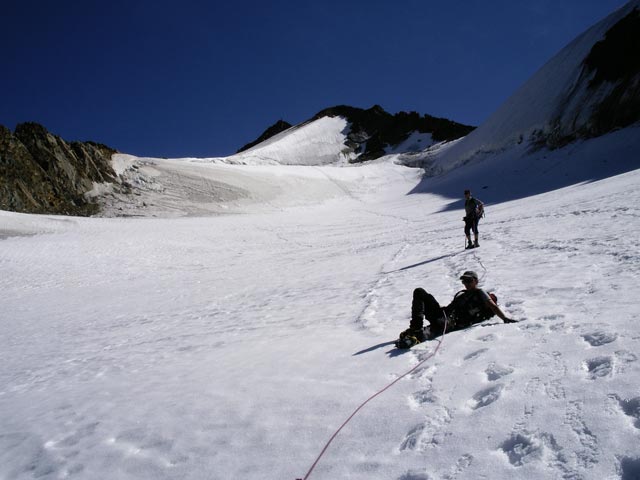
468	307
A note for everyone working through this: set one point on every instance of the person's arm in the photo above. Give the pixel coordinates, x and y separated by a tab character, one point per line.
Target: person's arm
496	309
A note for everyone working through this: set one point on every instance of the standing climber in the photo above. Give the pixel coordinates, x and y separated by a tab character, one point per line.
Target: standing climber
474	211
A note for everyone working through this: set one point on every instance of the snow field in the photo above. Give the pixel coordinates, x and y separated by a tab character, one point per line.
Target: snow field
234	346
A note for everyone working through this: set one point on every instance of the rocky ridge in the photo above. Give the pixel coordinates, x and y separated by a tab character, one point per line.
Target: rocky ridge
42	173
373	130
276	128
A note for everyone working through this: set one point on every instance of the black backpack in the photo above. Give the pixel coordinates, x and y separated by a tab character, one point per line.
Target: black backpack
468	307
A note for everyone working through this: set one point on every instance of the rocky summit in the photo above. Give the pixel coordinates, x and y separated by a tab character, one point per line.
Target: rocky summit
42	173
372	131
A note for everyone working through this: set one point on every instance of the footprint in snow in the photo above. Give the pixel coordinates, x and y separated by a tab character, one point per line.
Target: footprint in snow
495	372
463	463
412	439
485	397
475	354
488	338
422	397
430	433
599	367
631	408
524	447
412	475
533	327
555	389
626	356
557	327
587	456
599	338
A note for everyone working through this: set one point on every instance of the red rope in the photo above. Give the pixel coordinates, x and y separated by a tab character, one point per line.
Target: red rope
374	396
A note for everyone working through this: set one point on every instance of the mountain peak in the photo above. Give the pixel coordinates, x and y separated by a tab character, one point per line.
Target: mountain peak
371	132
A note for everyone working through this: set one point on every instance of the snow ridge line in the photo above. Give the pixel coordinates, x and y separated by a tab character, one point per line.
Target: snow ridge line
379	392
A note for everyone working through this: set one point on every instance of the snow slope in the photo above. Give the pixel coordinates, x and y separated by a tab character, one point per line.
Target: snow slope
234	346
317	142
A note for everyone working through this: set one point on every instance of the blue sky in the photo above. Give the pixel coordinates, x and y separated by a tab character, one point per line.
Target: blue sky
203	78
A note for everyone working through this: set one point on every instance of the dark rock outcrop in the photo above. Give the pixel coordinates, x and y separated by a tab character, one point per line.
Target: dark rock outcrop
276	128
616	60
42	173
606	95
374	129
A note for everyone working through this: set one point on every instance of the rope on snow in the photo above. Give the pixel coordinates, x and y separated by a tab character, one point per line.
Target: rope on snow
446	319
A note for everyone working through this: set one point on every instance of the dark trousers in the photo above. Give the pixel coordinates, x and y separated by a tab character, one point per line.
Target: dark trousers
424	305
471	224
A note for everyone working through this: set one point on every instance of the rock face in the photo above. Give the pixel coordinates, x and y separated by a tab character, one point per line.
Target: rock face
606	95
374	129
42	173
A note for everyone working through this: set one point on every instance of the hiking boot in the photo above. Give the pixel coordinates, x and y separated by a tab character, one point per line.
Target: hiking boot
469	245
409	338
418	334
406	342
476	244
